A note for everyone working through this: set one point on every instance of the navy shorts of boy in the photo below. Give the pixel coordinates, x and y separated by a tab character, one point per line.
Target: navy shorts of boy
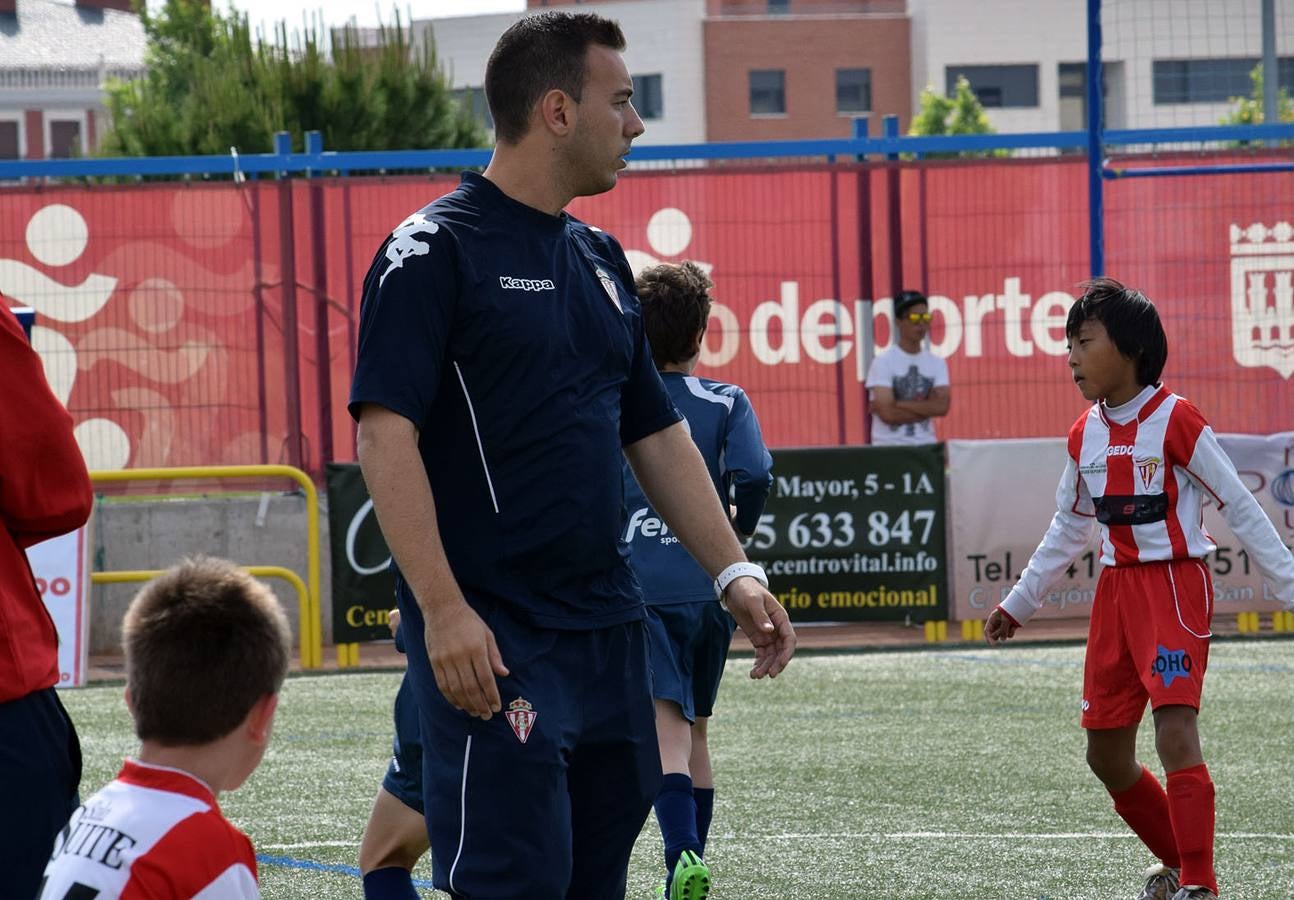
403	779
513	342
689	646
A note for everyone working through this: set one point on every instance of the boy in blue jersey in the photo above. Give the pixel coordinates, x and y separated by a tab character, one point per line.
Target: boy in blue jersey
690	632
502	371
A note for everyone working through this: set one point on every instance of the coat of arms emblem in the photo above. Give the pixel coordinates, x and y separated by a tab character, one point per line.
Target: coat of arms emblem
1262	296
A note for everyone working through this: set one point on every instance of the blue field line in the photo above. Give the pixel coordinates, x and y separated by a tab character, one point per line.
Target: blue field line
289	862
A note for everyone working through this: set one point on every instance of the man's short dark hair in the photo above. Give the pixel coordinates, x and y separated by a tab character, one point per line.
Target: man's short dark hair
204	642
1129	318
676	306
906	300
537	54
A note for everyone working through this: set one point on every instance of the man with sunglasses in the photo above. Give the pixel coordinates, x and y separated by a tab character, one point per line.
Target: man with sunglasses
908	384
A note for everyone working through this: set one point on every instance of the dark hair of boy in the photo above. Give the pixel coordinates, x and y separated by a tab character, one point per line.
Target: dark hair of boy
204	642
1129	318
538	54
906	300
676	307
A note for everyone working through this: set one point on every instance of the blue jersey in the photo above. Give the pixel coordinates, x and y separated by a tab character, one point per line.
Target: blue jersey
514	342
723	425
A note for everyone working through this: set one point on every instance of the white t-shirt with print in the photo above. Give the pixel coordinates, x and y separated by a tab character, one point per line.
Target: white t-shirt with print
912	376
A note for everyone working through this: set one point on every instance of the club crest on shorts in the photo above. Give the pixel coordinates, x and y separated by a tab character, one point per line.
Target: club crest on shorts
521	716
609	285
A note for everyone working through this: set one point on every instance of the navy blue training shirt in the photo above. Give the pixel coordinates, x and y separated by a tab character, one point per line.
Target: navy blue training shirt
514	342
725	430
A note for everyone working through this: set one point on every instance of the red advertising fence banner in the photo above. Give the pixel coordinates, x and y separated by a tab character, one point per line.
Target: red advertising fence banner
206	323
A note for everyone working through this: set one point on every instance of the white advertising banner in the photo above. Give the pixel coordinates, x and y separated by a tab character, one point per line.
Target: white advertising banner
62	570
1002	496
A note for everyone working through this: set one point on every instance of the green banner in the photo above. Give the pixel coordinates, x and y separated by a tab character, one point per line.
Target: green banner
363	588
856	534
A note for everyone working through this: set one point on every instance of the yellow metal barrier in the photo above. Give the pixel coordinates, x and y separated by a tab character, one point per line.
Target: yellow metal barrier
303	595
311	624
347	656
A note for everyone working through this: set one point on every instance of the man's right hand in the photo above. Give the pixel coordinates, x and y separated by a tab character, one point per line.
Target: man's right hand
464	658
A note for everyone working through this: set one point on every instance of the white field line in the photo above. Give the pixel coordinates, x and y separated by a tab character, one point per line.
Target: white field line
988	836
307	845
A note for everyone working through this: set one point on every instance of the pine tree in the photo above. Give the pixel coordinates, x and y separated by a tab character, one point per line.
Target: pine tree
209	85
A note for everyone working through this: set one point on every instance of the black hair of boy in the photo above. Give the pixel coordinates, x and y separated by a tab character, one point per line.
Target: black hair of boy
204	642
906	300
1129	318
676	307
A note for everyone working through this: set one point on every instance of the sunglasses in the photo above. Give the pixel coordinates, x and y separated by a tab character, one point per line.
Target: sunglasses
919	317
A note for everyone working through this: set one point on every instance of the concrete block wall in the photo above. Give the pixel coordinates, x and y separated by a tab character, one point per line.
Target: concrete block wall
267	530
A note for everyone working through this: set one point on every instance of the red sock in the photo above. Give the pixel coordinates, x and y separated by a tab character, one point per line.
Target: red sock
1145	808
1190	801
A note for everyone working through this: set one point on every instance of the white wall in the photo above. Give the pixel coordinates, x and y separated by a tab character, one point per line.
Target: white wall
1050	32
664	37
999	32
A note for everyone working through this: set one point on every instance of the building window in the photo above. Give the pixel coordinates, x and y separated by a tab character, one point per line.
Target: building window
647	96
998	86
853	90
767	92
472	99
1212	80
779	7
9	148
64	138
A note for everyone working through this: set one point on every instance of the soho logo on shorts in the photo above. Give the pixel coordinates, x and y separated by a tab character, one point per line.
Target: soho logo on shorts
1170	665
511	283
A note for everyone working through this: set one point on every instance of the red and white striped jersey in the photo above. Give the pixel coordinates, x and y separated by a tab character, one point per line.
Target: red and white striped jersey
1142	471
153	833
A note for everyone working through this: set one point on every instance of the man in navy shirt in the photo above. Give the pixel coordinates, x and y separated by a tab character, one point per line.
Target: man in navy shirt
690	633
502	370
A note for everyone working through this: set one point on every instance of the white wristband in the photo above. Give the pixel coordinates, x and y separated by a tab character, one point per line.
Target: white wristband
735	571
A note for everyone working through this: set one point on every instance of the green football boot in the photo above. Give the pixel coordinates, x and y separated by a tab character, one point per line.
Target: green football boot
691	880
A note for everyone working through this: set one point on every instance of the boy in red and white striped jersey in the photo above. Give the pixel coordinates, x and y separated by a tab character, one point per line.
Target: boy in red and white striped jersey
207	649
1141	463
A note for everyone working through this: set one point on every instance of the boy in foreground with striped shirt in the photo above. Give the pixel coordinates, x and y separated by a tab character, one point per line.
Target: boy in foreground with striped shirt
1140	462
207	648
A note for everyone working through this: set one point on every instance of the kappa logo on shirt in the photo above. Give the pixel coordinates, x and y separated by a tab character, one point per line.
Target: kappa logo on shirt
403	244
513	283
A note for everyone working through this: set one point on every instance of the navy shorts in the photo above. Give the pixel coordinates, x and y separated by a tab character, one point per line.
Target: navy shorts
545	799
689	646
403	779
40	769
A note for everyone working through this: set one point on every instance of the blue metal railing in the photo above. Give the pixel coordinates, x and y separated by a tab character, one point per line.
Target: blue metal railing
880	147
